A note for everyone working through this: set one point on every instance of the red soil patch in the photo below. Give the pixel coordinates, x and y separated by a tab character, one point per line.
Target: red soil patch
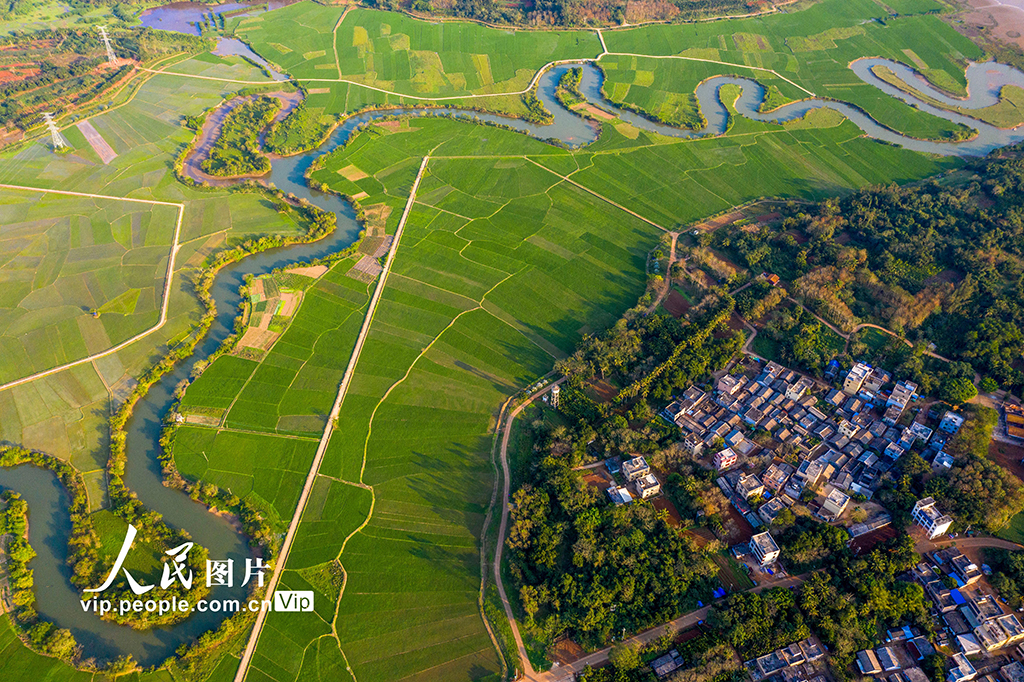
601	391
674	519
769	217
675	304
735	323
720	221
566	651
1008	456
865	543
598	478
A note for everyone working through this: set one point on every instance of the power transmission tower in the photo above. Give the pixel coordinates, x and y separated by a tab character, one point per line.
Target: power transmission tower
111	57
51	125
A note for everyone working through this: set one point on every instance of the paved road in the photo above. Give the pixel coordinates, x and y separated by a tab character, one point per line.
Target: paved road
250	648
168	277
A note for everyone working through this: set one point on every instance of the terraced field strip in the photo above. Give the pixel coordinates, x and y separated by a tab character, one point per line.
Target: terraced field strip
250	647
167	281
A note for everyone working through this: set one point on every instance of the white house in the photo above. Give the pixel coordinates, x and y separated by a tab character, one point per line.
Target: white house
635	468
647	486
927	515
764	548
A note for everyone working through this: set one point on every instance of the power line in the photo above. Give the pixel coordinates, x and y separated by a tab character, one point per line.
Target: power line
111	57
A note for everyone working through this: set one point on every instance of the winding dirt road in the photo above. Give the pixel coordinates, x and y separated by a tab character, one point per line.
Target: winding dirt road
529	673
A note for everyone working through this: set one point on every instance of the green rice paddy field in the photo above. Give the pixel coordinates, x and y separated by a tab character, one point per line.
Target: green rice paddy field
79	275
109	255
512	251
396	52
503	265
292	389
812	48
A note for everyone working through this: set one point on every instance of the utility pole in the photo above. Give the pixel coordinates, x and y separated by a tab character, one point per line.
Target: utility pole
51	125
111	57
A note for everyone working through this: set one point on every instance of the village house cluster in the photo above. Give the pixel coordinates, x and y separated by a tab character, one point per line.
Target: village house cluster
828	444
973	624
974	621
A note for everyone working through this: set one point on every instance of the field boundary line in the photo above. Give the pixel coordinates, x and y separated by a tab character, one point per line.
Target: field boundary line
334	39
211	78
314	470
533	81
168	278
599	196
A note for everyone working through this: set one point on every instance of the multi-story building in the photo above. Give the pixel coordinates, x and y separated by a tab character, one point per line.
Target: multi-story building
835	504
646	486
927	515
749	486
725	459
855	378
764	548
951	422
901	395
635	468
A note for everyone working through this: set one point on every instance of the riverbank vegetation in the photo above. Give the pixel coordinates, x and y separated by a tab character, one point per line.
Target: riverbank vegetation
568	90
40	635
237	151
303	129
792	44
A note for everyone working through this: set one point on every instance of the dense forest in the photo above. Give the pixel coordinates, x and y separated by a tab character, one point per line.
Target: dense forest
938	262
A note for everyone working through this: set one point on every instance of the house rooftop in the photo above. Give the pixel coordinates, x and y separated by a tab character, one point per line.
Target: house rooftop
765	542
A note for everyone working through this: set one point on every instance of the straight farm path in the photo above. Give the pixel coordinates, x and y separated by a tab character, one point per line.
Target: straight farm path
250	648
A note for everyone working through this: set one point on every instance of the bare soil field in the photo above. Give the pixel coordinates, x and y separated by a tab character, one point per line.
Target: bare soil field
1008	456
314	271
675	304
674	518
96	141
601	391
999	19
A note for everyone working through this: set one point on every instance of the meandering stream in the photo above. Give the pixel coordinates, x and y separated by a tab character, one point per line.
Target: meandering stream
50	526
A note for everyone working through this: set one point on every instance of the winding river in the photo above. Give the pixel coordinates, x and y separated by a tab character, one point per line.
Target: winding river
48	504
